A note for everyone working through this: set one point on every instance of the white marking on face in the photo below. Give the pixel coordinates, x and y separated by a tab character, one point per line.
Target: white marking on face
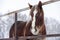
33	23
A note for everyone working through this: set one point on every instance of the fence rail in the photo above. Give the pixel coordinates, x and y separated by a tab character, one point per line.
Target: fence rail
30	37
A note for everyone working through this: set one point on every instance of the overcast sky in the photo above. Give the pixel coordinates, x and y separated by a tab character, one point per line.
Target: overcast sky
11	5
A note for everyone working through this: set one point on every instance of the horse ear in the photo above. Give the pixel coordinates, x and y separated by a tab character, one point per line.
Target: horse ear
30	6
39	4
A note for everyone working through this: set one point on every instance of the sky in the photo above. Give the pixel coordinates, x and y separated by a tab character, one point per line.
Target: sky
7	6
12	5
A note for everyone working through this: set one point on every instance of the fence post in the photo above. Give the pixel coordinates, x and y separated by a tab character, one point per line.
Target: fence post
16	37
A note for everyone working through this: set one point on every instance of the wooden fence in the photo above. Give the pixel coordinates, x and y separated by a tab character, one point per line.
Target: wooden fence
28	37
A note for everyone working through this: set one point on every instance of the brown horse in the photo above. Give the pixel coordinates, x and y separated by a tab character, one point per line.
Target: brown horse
35	26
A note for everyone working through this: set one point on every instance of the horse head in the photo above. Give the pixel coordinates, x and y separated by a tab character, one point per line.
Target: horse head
37	17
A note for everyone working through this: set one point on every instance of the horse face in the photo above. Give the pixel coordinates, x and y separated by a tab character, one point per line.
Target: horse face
36	16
